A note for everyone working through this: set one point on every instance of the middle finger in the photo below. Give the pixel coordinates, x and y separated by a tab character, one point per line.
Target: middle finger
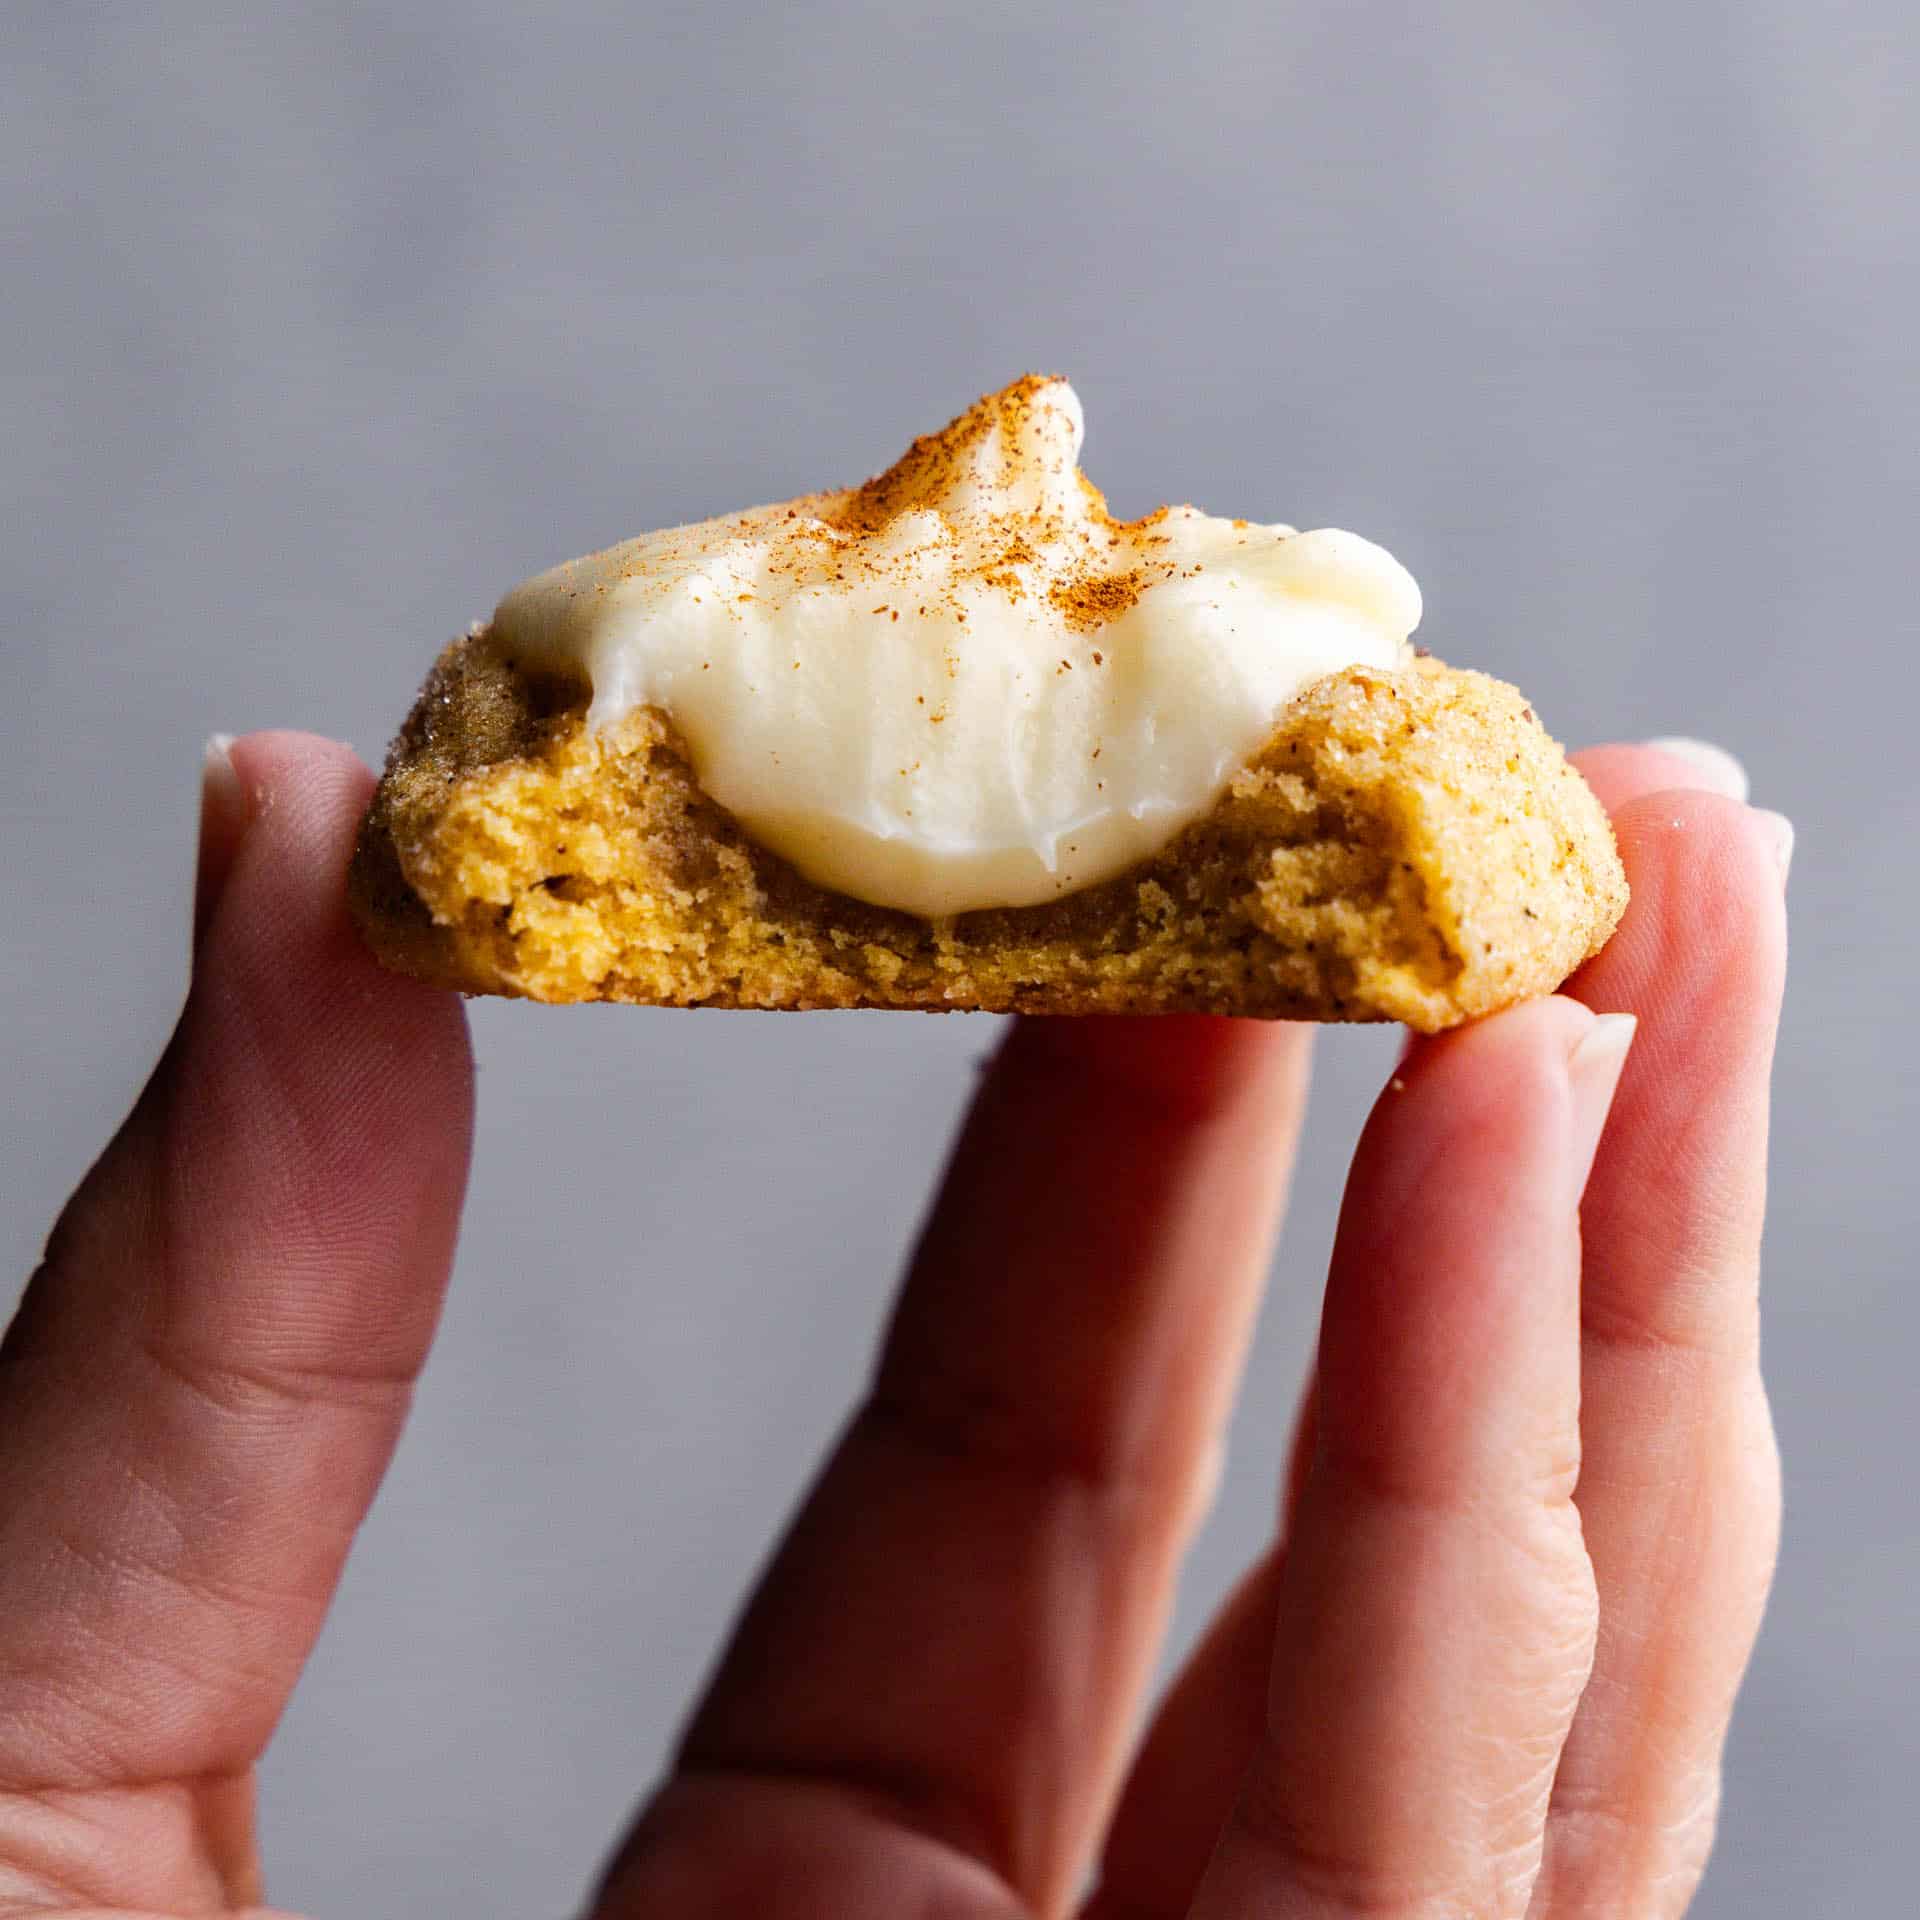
967	1609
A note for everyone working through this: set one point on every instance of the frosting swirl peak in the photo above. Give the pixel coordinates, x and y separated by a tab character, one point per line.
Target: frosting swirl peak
965	684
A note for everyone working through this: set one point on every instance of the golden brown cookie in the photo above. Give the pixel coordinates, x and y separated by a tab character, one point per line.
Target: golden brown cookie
1410	845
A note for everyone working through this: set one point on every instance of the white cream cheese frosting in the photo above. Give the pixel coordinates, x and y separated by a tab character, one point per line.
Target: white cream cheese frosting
965	684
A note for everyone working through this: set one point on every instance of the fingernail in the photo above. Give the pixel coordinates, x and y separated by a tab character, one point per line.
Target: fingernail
223	824
1593	1070
219	777
1723	771
1780	831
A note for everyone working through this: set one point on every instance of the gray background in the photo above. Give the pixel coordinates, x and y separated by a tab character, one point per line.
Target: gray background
321	326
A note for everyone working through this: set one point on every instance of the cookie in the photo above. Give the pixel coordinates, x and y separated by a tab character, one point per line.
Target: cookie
1410	844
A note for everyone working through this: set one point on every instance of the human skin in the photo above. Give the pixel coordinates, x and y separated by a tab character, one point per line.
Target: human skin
1485	1666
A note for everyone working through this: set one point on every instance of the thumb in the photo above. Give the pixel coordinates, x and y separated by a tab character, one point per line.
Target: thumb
207	1377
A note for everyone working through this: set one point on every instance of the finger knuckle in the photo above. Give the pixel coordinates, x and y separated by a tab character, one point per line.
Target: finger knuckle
1614	1852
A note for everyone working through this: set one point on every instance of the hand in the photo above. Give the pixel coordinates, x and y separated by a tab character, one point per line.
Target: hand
1485	1669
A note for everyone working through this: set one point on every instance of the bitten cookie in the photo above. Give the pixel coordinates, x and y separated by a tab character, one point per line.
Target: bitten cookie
960	737
1409	845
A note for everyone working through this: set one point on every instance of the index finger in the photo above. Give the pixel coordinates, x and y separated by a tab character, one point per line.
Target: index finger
1679	1487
